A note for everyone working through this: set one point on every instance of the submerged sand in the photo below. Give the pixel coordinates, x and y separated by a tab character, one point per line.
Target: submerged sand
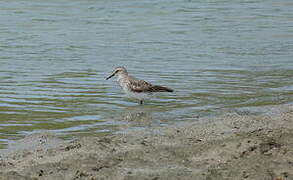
233	146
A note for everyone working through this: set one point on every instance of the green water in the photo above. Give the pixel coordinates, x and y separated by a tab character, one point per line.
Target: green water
217	55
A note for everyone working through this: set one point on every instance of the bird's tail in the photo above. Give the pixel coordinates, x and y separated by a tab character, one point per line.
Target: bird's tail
161	89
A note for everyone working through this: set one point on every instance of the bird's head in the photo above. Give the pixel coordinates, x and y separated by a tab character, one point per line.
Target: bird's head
117	71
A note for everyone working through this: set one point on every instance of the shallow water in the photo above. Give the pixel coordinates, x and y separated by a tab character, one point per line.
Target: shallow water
217	55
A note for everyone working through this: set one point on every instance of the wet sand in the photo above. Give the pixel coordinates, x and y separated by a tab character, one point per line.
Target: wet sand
236	145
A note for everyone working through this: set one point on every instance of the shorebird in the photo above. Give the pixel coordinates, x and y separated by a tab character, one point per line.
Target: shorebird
136	88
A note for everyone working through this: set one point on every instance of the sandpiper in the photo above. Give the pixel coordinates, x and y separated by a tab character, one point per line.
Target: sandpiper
136	88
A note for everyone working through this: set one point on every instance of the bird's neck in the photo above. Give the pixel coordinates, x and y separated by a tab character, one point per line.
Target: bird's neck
121	76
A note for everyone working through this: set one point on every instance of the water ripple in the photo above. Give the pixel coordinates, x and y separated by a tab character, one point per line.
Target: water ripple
217	55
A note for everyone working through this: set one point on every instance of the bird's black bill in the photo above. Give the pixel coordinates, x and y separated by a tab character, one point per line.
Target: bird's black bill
110	76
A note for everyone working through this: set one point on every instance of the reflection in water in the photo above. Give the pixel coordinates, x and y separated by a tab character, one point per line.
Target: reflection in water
139	116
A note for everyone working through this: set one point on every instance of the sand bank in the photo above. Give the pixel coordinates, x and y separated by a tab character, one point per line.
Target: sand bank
236	145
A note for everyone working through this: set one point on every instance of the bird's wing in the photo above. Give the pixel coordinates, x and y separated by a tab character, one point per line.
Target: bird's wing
137	85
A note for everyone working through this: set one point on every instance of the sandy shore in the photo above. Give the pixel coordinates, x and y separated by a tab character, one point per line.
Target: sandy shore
233	146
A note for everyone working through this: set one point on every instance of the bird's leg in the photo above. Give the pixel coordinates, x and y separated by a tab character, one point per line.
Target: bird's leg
141	102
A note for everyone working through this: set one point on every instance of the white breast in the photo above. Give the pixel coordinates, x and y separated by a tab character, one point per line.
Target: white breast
140	96
122	80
